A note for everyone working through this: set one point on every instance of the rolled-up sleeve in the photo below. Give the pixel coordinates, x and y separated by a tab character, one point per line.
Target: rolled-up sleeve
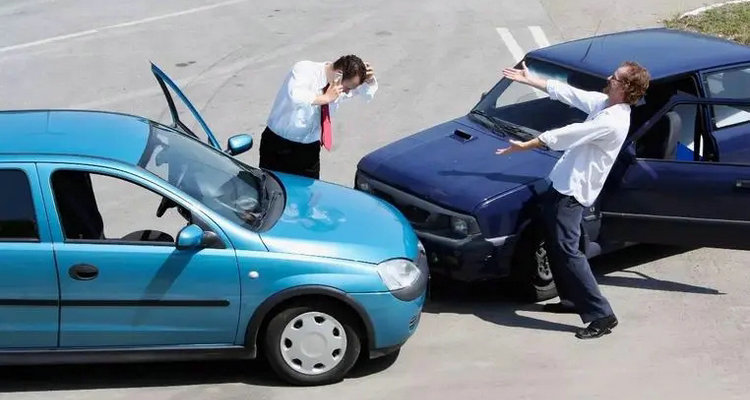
573	135
299	86
581	99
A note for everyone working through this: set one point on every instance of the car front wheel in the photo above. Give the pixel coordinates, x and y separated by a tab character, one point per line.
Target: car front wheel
312	344
531	269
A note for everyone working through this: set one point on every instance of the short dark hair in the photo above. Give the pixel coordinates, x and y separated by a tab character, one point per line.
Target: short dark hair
636	81
351	66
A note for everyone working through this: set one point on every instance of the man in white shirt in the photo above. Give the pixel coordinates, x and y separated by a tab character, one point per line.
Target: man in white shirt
591	148
299	122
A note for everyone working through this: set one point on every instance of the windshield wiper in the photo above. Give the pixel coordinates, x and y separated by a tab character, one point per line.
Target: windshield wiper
501	126
486	120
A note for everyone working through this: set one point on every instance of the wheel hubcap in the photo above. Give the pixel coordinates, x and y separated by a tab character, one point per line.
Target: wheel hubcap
313	343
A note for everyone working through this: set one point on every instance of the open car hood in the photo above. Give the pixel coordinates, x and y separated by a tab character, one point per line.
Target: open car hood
166	83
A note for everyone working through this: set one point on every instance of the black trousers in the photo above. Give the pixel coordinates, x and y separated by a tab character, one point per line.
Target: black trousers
563	217
282	155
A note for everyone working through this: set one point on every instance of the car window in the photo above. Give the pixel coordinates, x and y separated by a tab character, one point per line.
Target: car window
17	215
101	207
673	136
729	84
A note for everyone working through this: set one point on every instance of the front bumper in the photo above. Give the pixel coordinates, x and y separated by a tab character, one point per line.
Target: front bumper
466	259
471	259
393	321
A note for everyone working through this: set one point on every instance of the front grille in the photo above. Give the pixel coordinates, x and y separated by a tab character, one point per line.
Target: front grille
419	217
414	214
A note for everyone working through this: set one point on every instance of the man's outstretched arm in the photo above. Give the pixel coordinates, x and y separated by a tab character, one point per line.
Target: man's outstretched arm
583	100
524	76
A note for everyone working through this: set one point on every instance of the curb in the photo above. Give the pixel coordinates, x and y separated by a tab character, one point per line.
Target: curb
712	6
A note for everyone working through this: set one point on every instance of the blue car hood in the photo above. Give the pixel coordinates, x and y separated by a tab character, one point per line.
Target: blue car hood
327	220
456	172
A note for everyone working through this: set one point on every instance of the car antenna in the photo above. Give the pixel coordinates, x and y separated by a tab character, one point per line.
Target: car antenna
591	42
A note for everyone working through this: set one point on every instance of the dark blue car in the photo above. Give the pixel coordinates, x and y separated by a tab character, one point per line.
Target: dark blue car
682	178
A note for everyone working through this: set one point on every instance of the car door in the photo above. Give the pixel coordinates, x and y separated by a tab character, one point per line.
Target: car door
180	117
678	183
29	296
123	282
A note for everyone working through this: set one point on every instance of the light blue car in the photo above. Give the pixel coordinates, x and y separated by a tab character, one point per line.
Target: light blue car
122	239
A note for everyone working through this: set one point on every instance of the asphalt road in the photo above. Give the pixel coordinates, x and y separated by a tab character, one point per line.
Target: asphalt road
684	314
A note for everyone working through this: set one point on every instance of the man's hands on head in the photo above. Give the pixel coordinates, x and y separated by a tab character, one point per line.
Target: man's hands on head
370	74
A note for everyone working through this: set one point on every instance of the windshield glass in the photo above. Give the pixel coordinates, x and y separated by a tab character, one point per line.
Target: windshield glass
218	181
531	109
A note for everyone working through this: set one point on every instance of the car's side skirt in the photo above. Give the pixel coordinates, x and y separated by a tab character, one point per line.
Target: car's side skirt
123	355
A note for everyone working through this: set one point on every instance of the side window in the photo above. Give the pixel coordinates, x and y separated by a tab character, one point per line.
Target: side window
101	207
17	216
729	84
675	136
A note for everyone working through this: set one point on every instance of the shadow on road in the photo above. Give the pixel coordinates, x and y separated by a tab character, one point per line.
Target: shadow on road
157	374
637	255
493	301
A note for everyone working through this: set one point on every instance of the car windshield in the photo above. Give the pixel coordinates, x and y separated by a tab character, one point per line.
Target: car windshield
520	110
220	182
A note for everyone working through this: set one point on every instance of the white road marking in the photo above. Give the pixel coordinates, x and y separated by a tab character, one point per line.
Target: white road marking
116	26
511	44
539	37
49	40
517	52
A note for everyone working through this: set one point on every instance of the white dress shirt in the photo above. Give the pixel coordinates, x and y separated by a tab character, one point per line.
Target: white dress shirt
293	116
591	147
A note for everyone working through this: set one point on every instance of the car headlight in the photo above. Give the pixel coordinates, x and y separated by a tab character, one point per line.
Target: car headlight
398	274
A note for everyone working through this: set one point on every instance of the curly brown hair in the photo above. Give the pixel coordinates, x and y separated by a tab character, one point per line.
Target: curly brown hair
636	81
351	66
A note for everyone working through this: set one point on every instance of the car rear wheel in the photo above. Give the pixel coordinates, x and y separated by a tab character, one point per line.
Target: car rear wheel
531	269
312	344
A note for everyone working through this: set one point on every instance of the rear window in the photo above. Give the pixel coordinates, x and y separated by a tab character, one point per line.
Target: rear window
17	216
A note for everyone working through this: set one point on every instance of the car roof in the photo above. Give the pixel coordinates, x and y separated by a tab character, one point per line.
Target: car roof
95	134
664	52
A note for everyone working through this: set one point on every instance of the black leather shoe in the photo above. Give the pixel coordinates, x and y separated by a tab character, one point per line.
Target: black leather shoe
597	328
560	308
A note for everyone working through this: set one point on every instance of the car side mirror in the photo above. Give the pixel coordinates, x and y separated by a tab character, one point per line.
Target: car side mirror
190	237
239	144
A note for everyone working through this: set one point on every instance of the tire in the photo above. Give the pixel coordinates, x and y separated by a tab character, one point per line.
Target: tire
318	328
531	271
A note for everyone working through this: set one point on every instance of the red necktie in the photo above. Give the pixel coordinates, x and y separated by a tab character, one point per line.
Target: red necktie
325	125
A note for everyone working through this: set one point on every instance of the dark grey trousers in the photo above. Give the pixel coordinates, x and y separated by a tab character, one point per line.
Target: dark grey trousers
563	216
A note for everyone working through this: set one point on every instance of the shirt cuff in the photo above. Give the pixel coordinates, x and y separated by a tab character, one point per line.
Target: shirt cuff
369	89
552	88
548	139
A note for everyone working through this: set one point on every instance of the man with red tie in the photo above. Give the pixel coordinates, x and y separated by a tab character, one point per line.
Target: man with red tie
300	120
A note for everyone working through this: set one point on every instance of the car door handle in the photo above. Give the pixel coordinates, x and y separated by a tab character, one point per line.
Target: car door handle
742	183
83	272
